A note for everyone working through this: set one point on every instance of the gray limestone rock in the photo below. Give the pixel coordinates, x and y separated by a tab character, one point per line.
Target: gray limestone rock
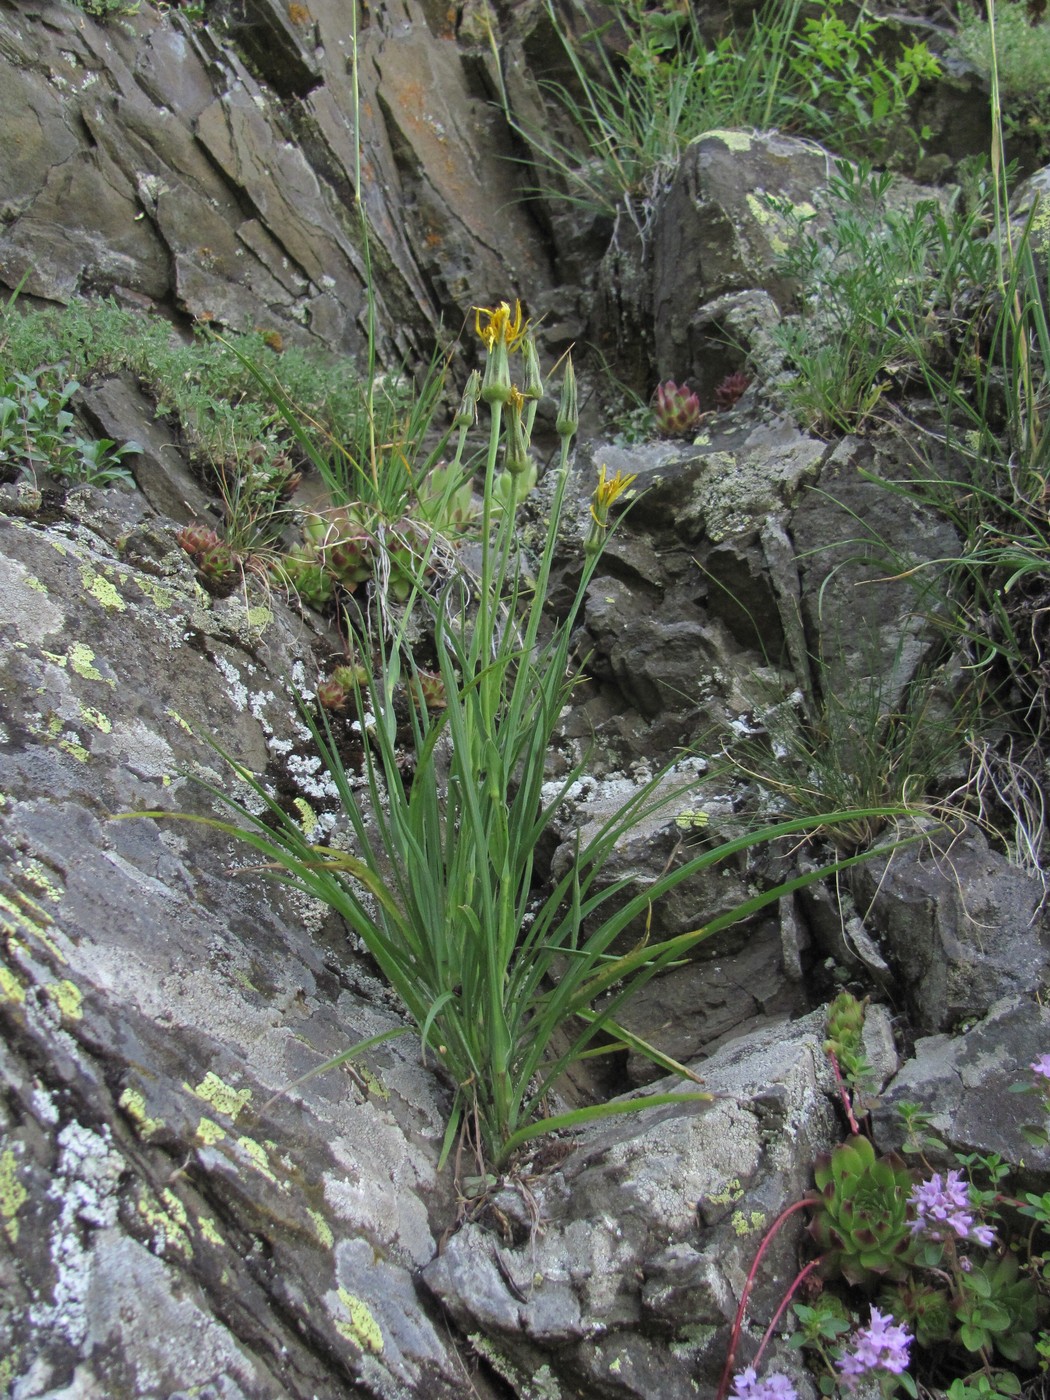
959	924
617	1275
170	1218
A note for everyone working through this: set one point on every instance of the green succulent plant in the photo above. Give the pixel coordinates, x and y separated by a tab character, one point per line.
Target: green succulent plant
860	1213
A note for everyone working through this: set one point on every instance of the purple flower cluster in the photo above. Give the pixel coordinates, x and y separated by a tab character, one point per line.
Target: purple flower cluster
946	1201
1042	1066
747	1386
881	1346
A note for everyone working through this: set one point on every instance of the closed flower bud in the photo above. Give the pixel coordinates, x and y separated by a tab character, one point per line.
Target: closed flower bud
516	459
533	376
568	419
467	413
496	385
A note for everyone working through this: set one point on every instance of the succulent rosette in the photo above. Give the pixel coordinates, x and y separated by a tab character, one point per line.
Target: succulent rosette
860	1214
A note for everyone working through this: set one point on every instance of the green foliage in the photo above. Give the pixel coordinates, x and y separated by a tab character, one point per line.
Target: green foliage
851	746
38	435
996	1310
860	1218
218	404
249	411
1022	60
985	1385
638	102
884	293
845	1039
102	8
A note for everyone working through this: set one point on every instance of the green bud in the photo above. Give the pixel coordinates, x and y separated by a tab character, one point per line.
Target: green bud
568	419
496	385
516	459
533	375
467	413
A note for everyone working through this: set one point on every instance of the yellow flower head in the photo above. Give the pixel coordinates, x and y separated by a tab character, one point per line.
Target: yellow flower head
607	491
501	325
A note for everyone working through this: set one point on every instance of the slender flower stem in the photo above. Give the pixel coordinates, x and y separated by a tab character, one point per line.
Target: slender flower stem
843	1093
738	1323
799	1278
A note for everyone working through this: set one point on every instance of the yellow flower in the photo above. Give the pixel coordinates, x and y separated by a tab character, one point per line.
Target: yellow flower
607	491
501	325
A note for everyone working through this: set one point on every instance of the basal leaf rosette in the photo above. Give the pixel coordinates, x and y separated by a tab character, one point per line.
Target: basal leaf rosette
860	1213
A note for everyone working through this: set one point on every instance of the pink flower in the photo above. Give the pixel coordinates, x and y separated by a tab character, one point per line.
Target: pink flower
747	1386
881	1346
1042	1066
946	1201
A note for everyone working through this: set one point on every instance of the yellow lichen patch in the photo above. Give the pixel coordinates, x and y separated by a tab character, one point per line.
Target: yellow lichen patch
322	1229
256	1155
68	997
82	660
747	1224
168	1228
222	1096
8	1366
360	1327
735	140
13	1195
134	1105
209	1132
74	748
102	589
307	816
95	718
37	875
11	989
209	1231
732	1191
158	596
174	715
174	1207
259	618
780	229
31	581
373	1083
19	914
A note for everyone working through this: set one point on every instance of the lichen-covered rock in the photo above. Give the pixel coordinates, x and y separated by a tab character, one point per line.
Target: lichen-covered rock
165	1220
720	230
619	1273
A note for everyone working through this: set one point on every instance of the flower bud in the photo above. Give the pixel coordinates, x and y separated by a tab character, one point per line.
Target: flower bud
516	459
467	413
496	385
568	419
533	375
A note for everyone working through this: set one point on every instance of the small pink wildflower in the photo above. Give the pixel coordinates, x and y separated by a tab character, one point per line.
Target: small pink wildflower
747	1386
1042	1066
881	1346
946	1201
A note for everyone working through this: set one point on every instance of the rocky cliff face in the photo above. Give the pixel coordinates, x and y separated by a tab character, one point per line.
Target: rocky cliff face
214	169
185	1207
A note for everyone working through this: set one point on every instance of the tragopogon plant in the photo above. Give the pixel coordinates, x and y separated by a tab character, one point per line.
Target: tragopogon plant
505	988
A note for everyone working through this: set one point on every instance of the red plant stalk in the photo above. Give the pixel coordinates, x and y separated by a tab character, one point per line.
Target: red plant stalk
800	1277
738	1322
840	1084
